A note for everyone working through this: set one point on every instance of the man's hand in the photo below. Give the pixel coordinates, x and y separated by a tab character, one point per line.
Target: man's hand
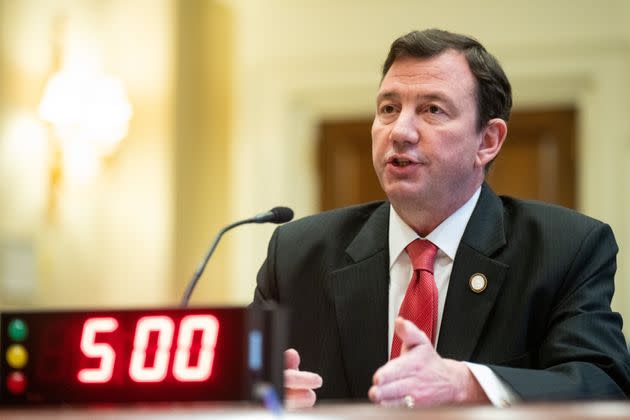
298	385
421	374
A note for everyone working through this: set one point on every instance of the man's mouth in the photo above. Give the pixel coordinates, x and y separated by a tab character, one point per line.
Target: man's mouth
400	162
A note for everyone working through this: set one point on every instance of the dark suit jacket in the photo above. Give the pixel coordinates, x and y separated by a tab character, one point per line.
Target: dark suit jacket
543	324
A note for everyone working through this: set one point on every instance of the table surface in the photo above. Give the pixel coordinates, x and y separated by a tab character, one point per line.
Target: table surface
573	411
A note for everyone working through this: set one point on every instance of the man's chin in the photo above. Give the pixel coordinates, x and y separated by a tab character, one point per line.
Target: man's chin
403	195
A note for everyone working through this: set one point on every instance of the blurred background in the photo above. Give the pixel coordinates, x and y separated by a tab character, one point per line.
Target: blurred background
131	131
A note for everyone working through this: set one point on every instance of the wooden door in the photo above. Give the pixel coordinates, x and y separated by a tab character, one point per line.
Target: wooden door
537	160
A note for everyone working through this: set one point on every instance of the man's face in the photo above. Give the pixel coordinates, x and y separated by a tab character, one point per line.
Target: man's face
424	137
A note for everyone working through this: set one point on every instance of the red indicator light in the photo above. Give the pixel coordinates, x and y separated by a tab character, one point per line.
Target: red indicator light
97	350
16	383
165	328
209	327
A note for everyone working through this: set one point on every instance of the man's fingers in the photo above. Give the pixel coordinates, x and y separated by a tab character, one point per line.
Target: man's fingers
403	366
410	335
299	398
296	379
298	385
393	391
291	359
395	369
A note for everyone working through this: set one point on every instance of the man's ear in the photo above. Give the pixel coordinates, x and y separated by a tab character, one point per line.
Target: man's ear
492	138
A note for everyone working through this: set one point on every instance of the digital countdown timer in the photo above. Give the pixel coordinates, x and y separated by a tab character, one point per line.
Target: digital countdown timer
199	354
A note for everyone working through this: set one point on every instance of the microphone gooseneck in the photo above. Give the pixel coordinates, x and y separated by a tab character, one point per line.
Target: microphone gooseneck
275	215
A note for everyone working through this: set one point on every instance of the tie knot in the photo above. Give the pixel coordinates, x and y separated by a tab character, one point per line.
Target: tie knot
422	254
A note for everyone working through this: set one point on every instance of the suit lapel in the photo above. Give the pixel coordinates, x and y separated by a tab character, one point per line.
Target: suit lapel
360	291
466	312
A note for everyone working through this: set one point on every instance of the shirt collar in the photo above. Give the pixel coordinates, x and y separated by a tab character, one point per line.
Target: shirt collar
446	236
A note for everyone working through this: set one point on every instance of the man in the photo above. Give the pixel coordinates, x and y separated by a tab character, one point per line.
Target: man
516	294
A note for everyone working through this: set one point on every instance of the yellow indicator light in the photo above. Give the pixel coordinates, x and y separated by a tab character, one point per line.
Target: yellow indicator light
17	356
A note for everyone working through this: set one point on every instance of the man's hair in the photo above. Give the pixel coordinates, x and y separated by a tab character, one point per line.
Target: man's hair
493	91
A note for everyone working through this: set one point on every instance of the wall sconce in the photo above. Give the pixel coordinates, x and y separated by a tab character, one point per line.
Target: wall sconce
87	108
89	113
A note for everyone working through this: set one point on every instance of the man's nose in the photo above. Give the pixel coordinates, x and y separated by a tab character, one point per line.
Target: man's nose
405	129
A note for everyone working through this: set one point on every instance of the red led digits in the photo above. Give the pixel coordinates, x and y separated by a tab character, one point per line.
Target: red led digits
209	327
139	371
97	350
164	326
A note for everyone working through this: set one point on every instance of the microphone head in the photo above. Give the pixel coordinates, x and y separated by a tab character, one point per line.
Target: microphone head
281	214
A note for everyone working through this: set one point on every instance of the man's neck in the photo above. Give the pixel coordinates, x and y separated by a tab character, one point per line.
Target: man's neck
424	218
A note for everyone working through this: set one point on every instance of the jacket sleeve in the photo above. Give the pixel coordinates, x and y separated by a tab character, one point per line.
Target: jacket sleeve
584	353
266	283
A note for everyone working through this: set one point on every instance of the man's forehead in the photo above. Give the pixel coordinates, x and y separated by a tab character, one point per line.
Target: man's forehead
449	68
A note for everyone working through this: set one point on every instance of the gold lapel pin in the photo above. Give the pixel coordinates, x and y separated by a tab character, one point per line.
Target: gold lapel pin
478	282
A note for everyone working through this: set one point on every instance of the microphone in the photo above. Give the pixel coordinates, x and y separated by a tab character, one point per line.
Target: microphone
275	215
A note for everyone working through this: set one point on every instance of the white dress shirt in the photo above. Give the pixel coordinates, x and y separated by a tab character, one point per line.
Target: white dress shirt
446	237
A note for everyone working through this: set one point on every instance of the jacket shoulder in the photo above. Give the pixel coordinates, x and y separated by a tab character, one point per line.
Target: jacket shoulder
338	224
548	216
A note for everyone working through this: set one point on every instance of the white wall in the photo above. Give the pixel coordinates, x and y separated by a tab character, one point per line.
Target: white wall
300	61
107	241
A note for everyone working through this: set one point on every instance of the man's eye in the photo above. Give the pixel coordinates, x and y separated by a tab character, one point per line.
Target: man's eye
387	109
434	109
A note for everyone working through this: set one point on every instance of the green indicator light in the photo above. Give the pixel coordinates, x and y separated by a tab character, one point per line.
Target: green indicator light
18	330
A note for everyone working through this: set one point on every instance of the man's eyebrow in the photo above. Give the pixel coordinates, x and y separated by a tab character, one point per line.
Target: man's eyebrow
438	97
387	95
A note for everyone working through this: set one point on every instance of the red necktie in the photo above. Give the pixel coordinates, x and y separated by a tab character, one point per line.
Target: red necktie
420	304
